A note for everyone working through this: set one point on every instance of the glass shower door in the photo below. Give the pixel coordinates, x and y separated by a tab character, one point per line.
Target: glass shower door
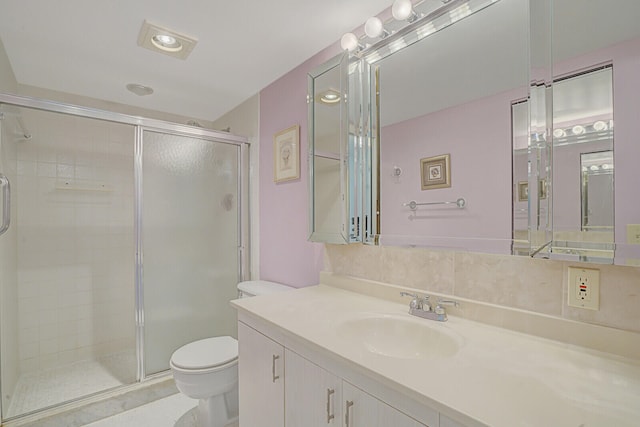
189	242
9	339
67	259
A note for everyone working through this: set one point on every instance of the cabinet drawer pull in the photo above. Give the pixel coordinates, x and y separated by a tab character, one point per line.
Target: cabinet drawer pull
346	415
330	416
273	367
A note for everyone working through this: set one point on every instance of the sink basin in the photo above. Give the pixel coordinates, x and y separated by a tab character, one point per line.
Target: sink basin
400	337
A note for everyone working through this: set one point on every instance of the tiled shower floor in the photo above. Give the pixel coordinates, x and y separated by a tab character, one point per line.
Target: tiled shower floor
158	404
41	389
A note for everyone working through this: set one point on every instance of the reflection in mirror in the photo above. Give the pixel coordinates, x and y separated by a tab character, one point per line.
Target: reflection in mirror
330	219
520	169
604	37
597	191
435	99
451	94
583	165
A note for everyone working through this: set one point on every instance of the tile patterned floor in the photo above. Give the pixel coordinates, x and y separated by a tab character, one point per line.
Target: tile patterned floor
114	406
173	411
41	389
158	404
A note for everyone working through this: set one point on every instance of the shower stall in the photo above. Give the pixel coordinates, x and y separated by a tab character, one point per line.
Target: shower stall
123	239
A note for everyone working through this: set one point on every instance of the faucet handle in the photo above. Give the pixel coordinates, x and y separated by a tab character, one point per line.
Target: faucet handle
448	302
440	309
416	302
408	294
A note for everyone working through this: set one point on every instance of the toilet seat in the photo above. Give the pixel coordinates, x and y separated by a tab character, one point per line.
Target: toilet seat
206	353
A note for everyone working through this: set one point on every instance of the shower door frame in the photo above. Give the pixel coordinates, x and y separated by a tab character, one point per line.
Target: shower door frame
142	124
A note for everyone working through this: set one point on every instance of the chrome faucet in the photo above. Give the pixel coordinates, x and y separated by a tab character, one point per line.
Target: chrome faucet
422	308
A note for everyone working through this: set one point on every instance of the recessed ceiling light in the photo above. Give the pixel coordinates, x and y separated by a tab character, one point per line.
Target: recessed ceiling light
139	90
164	40
330	96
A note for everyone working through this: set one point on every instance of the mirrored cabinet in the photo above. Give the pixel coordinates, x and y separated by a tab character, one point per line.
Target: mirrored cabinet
506	105
332	211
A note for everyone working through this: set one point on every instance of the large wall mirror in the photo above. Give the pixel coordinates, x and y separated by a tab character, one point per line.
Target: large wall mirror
455	121
445	131
596	97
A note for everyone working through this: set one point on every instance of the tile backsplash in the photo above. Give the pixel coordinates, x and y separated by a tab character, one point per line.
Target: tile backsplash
536	285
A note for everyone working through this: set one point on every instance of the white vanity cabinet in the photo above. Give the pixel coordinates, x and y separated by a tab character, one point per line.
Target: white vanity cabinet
260	379
363	410
280	388
448	422
313	395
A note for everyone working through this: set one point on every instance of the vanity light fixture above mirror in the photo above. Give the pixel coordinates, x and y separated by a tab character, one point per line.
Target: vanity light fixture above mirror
409	22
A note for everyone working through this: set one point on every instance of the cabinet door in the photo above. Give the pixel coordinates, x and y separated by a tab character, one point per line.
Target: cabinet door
261	379
448	422
313	396
363	410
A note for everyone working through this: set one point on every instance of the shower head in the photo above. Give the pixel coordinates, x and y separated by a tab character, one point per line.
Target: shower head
22	132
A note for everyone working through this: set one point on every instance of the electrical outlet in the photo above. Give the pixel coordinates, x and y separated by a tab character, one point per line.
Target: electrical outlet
633	234
584	288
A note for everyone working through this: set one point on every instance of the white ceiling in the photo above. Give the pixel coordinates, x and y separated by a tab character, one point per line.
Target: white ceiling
89	47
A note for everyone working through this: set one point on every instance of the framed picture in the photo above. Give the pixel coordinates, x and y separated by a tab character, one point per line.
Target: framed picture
523	190
286	154
436	172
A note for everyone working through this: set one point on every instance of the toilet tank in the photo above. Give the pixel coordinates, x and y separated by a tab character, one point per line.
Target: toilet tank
252	288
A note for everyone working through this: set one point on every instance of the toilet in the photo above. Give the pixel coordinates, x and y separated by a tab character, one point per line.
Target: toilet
207	369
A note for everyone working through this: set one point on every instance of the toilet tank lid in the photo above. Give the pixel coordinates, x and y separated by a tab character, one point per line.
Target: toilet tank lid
262	287
206	353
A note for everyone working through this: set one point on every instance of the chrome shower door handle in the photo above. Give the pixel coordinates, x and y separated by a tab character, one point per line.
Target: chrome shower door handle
273	367
6	204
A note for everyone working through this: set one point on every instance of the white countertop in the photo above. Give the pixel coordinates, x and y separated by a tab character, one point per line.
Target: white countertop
498	377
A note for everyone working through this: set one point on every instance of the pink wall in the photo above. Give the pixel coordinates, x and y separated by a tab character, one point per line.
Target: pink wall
285	254
478	137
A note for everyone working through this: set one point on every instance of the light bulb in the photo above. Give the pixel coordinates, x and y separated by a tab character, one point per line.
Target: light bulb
600	126
577	130
373	27
559	133
349	42
166	42
402	10
330	96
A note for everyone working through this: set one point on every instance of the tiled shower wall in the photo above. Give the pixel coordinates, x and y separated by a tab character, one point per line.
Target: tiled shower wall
75	210
537	285
8	275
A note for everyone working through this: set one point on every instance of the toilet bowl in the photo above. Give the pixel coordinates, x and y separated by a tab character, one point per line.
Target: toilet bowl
207	369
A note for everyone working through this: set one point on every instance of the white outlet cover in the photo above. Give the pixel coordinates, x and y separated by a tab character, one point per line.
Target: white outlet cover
584	288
